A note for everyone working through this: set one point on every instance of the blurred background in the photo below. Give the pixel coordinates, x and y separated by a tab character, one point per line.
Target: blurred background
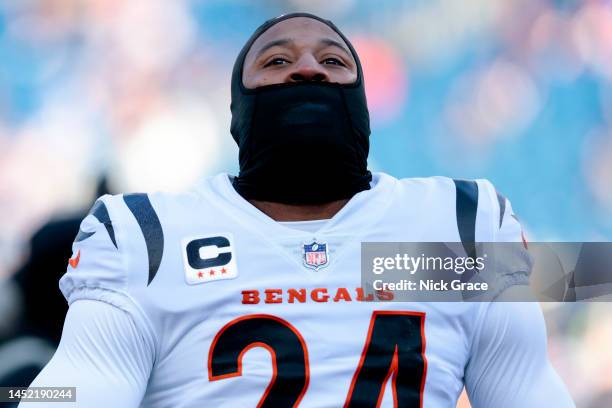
115	96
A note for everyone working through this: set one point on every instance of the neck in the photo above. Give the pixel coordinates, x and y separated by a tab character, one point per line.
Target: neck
289	212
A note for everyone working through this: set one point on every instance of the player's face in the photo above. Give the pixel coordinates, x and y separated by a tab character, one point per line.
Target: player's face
298	49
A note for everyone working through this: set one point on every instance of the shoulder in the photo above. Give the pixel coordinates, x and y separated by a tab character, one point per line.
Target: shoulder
120	242
471	189
97	262
472	199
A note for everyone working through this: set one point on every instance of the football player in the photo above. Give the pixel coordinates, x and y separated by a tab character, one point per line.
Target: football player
246	291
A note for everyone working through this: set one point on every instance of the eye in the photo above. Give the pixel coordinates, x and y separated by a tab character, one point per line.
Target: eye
276	61
333	61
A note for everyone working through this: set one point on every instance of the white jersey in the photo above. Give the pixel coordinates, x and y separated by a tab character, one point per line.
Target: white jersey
232	309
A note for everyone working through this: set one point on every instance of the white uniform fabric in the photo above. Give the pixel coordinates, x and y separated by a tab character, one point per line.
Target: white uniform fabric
307	226
103	354
137	327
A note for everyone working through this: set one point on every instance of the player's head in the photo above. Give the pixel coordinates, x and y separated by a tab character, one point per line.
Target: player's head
296	50
299	113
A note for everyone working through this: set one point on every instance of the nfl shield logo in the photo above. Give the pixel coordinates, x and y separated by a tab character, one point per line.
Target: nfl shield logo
315	255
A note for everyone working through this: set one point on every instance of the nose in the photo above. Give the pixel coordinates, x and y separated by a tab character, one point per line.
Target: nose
307	69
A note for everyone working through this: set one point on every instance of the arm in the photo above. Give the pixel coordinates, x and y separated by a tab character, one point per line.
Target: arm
103	354
108	345
509	365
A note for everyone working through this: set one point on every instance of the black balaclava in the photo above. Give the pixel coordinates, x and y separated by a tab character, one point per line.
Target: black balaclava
301	142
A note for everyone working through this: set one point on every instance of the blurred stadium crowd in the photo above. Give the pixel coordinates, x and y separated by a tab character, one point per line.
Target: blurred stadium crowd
113	95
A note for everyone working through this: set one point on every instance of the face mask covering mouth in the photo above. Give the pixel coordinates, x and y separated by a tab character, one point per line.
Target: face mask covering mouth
300	143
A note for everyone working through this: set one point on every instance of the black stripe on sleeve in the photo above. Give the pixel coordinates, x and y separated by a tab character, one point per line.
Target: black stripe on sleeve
99	211
82	235
140	206
466	208
502	207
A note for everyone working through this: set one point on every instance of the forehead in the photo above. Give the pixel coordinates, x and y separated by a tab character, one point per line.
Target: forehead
298	29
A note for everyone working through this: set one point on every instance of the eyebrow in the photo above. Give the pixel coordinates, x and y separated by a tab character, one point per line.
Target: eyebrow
328	42
333	43
275	43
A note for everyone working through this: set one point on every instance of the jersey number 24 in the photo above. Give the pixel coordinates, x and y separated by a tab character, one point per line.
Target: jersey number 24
394	349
